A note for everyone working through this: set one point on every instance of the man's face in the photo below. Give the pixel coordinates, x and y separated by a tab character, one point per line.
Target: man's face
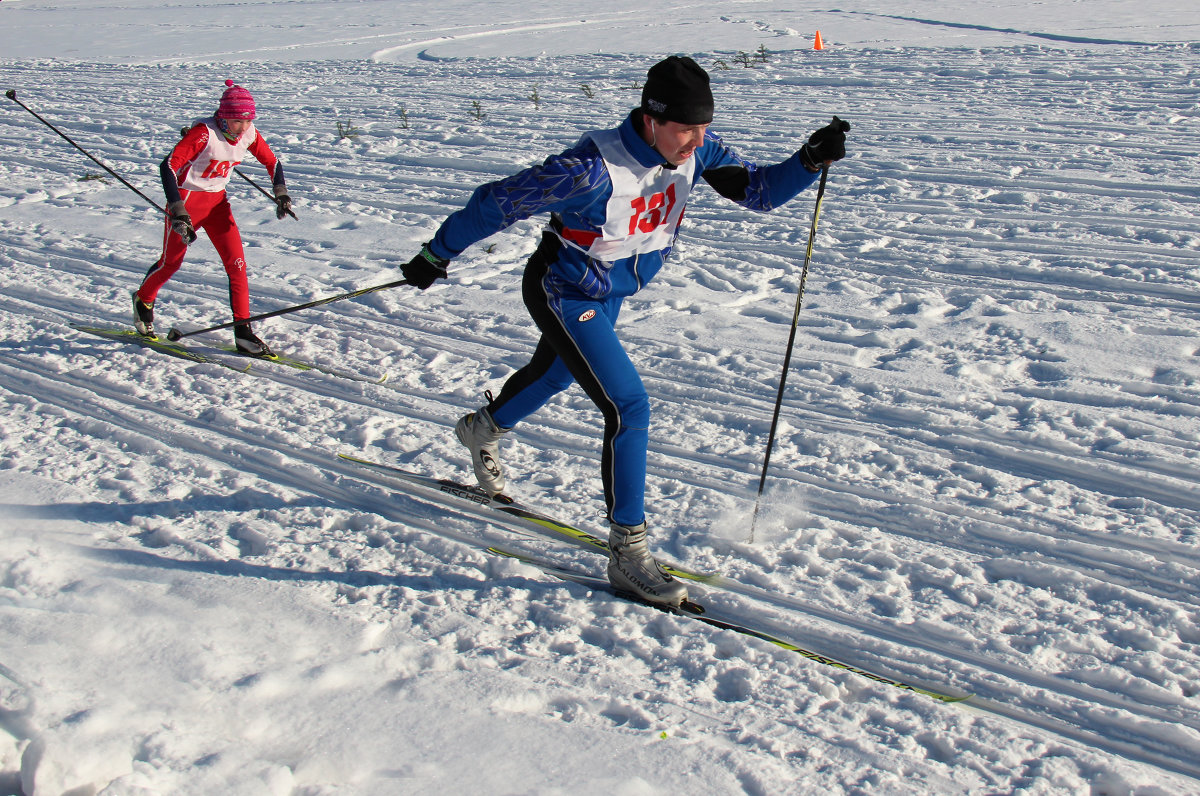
674	141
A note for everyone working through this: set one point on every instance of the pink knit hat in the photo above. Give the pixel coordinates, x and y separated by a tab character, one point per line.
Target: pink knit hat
236	103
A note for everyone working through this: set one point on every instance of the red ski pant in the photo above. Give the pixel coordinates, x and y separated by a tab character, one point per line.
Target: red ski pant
210	212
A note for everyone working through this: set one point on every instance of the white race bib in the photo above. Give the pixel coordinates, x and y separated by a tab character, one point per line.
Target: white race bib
211	169
646	205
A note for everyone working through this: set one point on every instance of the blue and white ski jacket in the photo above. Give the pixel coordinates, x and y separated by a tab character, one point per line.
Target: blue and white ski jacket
577	189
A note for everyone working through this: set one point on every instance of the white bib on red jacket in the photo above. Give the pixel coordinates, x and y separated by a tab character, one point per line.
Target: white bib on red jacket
210	170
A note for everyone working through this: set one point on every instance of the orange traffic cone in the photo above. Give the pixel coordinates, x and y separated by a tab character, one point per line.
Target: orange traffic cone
818	44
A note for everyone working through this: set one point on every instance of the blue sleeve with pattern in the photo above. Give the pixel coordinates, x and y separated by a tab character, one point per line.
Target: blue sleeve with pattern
568	182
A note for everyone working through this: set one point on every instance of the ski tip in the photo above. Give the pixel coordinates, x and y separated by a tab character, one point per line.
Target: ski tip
174	334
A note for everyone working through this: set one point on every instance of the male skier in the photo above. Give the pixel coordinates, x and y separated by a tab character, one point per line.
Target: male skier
615	202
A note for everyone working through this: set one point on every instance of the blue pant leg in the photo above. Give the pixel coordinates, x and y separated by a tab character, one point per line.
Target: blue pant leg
612	382
579	343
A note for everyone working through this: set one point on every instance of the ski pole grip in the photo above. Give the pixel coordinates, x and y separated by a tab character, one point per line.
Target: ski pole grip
11	94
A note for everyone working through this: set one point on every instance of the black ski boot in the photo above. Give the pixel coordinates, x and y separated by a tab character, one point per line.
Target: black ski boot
249	344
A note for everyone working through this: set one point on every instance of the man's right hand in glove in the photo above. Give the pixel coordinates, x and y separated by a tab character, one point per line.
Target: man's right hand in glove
424	269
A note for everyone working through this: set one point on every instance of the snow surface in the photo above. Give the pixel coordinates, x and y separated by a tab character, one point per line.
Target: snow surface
986	475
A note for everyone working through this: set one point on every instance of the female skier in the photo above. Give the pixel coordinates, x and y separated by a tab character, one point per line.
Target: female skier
194	177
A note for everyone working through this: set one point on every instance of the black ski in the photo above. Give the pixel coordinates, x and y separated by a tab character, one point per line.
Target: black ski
478	502
224	355
472	500
162	346
709	616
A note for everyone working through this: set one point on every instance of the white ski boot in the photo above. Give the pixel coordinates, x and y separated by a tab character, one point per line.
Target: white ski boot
143	318
481	435
632	569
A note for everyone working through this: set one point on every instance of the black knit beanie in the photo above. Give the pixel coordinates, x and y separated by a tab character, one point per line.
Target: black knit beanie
677	90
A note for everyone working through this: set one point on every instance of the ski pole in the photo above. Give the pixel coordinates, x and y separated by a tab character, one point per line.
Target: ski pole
240	173
787	359
12	95
175	334
261	189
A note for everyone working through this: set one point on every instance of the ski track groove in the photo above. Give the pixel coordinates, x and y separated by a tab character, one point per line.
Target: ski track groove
834	641
1115	573
245	451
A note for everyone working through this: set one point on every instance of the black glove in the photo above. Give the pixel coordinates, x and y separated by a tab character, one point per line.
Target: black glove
828	143
181	222
283	205
424	269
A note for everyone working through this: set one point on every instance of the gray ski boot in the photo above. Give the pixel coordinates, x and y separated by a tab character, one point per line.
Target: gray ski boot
481	435
632	569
